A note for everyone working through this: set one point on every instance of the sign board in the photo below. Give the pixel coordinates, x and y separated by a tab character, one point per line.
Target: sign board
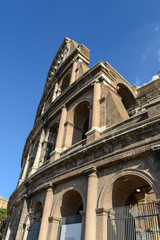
71	232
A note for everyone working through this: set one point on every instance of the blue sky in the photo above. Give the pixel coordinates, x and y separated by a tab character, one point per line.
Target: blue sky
122	32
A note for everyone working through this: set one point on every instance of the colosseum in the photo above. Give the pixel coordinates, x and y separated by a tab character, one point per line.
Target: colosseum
90	167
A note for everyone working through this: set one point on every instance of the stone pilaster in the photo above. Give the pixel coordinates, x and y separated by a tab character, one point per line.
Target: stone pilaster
102	217
44	147
55	92
60	135
94	133
73	72
96	104
25	233
8	232
38	154
53	229
83	224
69	128
90	221
22	218
7	227
46	213
26	166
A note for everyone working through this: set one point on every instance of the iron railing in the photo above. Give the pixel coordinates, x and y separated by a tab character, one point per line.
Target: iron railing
138	222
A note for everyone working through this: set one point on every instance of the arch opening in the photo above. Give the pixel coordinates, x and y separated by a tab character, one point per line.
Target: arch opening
35	221
134	214
81	121
71	219
51	141
71	204
126	95
65	82
131	190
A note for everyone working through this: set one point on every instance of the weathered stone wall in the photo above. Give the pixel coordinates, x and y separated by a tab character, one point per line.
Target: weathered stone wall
105	152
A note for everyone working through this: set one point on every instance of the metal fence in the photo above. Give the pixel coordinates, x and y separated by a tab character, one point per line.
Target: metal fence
139	222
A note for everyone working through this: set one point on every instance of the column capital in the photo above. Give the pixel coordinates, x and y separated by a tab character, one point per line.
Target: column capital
92	171
48	186
50	219
63	106
56	219
74	60
102	211
83	213
95	82
24	196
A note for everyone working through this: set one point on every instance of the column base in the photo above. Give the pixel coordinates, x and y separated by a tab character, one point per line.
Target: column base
32	170
20	181
55	154
93	134
102	217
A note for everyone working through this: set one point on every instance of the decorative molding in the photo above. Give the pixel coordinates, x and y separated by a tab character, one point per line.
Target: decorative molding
91	171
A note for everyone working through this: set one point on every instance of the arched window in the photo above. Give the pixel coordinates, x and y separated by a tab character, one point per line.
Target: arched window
81	121
65	82
71	219
130	190
35	221
126	95
51	141
134	215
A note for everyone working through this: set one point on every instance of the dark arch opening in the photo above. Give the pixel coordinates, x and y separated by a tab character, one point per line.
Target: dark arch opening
134	213
71	204
51	141
131	190
81	121
126	95
35	221
37	211
65	82
85	128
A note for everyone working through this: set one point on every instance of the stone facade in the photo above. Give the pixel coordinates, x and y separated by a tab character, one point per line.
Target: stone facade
94	146
3	202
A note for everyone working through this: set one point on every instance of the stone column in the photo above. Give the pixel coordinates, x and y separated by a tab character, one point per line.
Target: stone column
55	92
38	154
25	169
73	72
94	134
90	221
96	105
83	224
26	166
60	135
21	177
7	228
8	232
102	217
46	213
44	148
22	218
69	128
54	229
25	233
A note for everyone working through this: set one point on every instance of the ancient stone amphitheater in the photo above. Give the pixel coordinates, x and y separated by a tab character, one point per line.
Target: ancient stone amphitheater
90	168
